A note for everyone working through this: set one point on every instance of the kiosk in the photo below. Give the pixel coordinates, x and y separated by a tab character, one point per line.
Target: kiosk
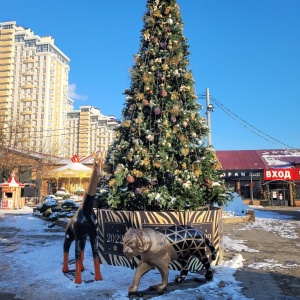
11	194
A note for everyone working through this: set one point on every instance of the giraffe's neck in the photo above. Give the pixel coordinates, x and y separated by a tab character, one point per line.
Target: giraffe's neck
92	187
87	201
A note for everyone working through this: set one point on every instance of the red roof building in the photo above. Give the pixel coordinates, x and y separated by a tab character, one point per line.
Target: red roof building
263	176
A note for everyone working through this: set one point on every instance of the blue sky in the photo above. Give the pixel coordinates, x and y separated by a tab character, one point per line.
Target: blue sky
247	52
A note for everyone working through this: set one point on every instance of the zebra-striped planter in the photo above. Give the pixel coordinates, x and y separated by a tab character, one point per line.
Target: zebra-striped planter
112	226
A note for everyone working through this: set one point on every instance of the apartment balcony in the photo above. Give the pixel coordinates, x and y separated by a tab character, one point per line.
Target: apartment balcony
27	86
4	93
5	39
5	80
27	99
4	85
3	113
7	55
4	74
25	125
7	31
3	99
28	73
29	60
26	112
5	68
5	62
3	106
23	139
84	120
6	47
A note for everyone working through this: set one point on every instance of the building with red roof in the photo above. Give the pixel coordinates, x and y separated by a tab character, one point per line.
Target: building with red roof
270	177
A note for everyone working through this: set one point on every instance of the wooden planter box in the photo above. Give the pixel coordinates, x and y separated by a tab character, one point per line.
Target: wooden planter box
112	226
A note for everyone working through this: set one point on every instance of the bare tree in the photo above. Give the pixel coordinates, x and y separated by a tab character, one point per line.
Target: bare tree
18	154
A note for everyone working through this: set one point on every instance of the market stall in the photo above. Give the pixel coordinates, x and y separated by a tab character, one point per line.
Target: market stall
11	194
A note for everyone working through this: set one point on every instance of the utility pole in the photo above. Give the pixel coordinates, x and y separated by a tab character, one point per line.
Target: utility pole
251	189
209	108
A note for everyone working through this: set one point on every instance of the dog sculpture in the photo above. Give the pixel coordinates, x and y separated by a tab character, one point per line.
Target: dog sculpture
158	248
83	224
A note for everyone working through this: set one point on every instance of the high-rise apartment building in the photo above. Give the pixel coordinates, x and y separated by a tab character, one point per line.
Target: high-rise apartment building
33	88
88	130
34	98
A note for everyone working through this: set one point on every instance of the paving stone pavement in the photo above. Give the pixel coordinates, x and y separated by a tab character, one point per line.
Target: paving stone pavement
272	283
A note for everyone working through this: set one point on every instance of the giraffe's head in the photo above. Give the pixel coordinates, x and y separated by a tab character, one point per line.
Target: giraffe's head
98	163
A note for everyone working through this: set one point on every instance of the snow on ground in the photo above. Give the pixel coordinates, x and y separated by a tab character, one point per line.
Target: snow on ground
46	278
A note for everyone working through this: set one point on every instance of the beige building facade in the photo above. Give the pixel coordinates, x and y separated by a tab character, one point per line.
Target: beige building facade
33	87
34	77
88	130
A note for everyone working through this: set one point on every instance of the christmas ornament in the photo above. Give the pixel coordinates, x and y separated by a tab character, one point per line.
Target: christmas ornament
145	102
166	11
123	188
130	178
184	151
163	93
170	21
154	40
138	191
150	138
157	110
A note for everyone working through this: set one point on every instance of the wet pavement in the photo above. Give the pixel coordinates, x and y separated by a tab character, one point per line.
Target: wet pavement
281	278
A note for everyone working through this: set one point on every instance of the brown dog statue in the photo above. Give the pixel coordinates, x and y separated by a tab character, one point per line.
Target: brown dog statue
158	247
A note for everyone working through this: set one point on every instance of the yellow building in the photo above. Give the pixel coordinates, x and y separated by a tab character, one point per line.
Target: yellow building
34	98
33	87
88	130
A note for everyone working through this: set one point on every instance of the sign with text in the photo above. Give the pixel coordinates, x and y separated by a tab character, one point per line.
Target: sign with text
113	235
205	227
242	174
282	174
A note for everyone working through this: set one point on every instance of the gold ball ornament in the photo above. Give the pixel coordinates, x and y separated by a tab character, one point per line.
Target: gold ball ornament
154	40
184	124
145	102
163	93
166	11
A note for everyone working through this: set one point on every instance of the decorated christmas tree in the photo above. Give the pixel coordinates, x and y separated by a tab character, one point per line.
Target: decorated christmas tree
159	160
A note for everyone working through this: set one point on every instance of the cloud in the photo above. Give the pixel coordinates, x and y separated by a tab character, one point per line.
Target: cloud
73	95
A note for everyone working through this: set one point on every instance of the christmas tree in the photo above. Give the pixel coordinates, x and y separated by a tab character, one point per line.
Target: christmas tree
159	160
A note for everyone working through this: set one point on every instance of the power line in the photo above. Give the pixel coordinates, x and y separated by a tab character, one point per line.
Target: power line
41	133
248	126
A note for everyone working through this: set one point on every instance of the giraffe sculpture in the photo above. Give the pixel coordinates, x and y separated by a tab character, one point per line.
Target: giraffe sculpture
83	224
